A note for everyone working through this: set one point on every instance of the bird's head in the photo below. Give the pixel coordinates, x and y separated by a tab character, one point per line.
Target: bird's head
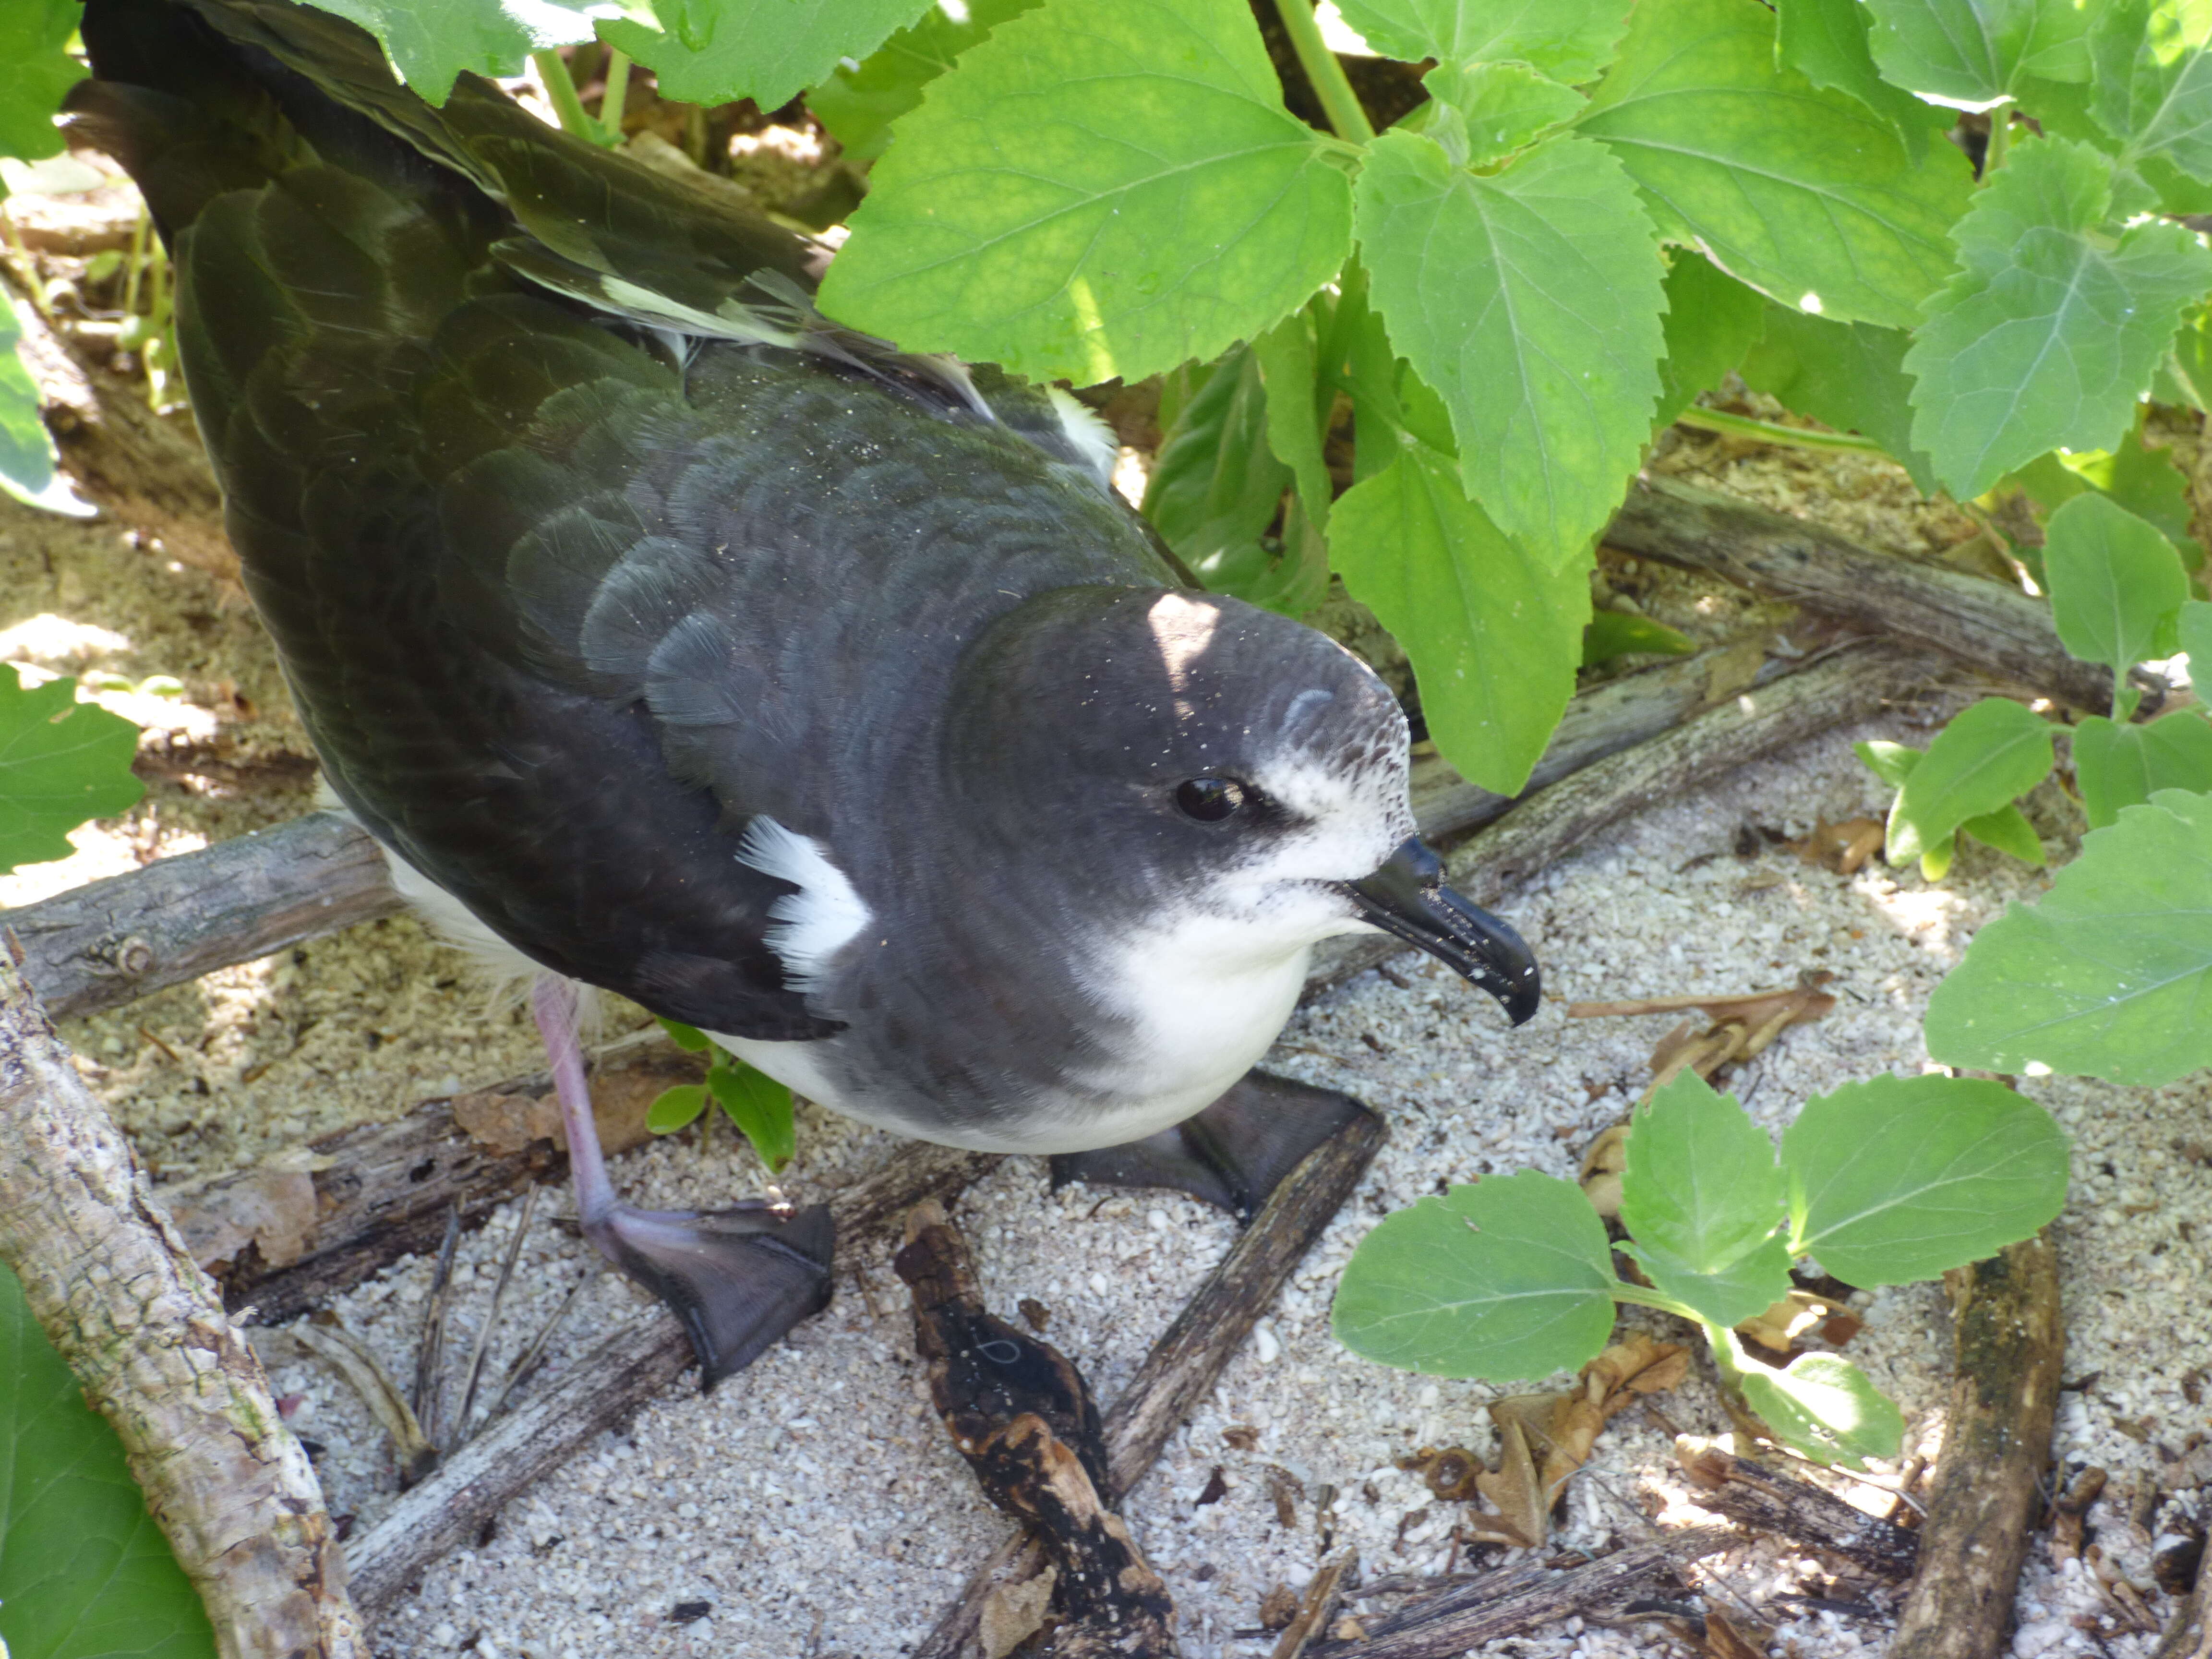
1147	754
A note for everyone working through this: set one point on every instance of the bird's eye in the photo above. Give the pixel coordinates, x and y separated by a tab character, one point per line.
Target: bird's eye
1210	799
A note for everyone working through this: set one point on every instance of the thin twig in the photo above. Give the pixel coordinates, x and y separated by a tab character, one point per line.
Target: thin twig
483	1345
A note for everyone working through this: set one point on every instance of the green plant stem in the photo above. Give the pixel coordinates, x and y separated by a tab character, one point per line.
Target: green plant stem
1624	1291
1337	101
1771	432
617	94
560	86
135	266
2000	144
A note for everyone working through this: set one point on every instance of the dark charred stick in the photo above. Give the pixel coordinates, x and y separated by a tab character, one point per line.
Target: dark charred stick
628	1371
1770	1503
428	1395
1188	1359
1512	1602
1997	628
1985	1496
1020	1414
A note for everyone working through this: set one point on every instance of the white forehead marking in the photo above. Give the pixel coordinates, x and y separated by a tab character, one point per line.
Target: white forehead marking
813	924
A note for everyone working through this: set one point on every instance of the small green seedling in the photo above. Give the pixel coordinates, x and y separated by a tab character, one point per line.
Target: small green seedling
1886	1181
755	1102
2118	595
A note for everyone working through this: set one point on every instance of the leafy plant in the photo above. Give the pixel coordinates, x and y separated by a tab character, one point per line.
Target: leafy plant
84	1572
1886	1181
755	1102
62	762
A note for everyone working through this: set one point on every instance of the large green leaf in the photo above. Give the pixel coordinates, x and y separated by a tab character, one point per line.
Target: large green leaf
1826	41
1299	403
2110	975
1529	298
1973	53
1702	1197
84	1572
1807	195
1712	319
860	100
2050	329
1570	41
26	452
715	50
2116	583
35	72
1989	755
1103	187
1493	634
60	762
1897	1178
1849	375
430	44
2121	766
2152	85
1509	1278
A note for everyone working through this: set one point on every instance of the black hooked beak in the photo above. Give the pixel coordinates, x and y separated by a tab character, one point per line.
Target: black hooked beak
1407	897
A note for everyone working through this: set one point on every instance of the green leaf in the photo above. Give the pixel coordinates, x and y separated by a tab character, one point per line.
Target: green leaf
35	72
2115	584
2050	331
859	101
429	45
1973	53
1847	375
1826	41
1103	187
714	52
1616	634
2195	628
759	1106
1509	1278
1897	1178
2152	86
1484	111
84	1572
62	762
1807	195
1494	635
2008	830
1702	1197
1298	408
2110	976
2119	766
27	452
1824	1407
689	1038
1530	302
1712	319
1990	755
675	1108
1893	762
2143	480
1570	41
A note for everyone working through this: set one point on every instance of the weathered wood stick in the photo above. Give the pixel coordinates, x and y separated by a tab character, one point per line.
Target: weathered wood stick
1770	1503
1984	1495
628	1370
1850	683
1187	1360
145	1334
1508	1603
1998	628
102	945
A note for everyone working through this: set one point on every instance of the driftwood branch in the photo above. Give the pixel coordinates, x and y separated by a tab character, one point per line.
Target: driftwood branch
1772	1503
1020	1413
1983	1497
1998	628
145	1333
626	1372
1187	1360
1447	1624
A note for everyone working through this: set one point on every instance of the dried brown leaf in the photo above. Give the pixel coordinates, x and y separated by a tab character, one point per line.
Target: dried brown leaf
1014	1612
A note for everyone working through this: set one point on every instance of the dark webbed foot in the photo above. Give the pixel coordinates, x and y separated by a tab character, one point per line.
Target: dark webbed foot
736	1278
1232	1154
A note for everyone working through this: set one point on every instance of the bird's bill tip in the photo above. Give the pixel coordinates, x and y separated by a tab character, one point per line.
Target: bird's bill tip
1407	897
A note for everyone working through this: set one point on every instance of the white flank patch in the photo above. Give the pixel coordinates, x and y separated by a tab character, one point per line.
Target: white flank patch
1093	439
818	920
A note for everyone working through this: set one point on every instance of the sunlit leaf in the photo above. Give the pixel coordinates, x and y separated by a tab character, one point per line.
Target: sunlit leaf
62	762
35	72
859	101
1972	53
2120	766
430	44
1990	755
1570	41
1823	1406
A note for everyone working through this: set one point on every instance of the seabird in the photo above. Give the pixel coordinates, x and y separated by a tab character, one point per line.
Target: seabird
672	639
